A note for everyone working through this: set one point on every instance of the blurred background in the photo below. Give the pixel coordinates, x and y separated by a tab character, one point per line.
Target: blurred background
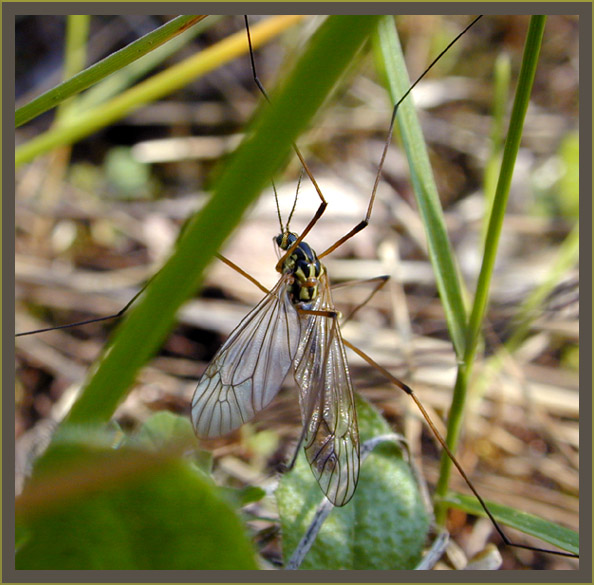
94	221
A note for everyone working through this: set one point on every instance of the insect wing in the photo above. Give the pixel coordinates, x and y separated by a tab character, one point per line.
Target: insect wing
331	435
248	370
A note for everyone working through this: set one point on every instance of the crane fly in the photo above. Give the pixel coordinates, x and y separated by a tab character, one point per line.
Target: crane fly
295	328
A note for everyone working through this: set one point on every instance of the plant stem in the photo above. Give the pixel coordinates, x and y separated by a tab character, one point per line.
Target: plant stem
512	145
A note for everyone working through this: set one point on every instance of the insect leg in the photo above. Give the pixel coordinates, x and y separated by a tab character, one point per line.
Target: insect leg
94	320
365	221
380	283
324	203
242	272
297	449
451	455
131	301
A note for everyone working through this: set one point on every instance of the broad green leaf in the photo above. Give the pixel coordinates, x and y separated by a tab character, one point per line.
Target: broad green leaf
384	526
97	508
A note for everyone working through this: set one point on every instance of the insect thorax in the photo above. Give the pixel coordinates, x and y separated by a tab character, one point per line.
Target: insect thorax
304	266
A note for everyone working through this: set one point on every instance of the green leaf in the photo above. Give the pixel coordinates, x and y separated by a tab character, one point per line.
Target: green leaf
96	508
550	532
240	497
163	428
126	175
384	526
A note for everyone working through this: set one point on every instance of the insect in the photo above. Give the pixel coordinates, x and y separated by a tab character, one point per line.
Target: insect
322	320
295	326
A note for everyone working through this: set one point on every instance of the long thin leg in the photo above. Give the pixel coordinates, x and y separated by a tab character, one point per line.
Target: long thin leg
380	282
365	221
95	320
297	449
323	203
445	447
242	272
131	301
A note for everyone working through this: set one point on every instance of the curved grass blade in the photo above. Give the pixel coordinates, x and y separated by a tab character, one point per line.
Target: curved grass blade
91	75
440	251
129	75
148	91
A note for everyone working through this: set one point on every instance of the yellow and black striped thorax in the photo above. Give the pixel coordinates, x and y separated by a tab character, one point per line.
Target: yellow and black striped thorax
305	267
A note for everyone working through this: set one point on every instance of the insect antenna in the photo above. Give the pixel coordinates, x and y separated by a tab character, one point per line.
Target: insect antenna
280	218
285	229
323	203
295	200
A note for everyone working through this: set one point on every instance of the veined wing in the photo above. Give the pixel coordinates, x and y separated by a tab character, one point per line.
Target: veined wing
248	370
331	434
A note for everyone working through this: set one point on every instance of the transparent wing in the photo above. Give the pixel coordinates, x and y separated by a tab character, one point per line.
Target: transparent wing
331	434
248	370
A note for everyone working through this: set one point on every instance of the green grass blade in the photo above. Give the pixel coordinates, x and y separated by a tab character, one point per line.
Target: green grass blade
512	145
75	56
150	90
260	156
77	36
522	98
126	77
564	538
566	259
501	81
50	99
440	250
